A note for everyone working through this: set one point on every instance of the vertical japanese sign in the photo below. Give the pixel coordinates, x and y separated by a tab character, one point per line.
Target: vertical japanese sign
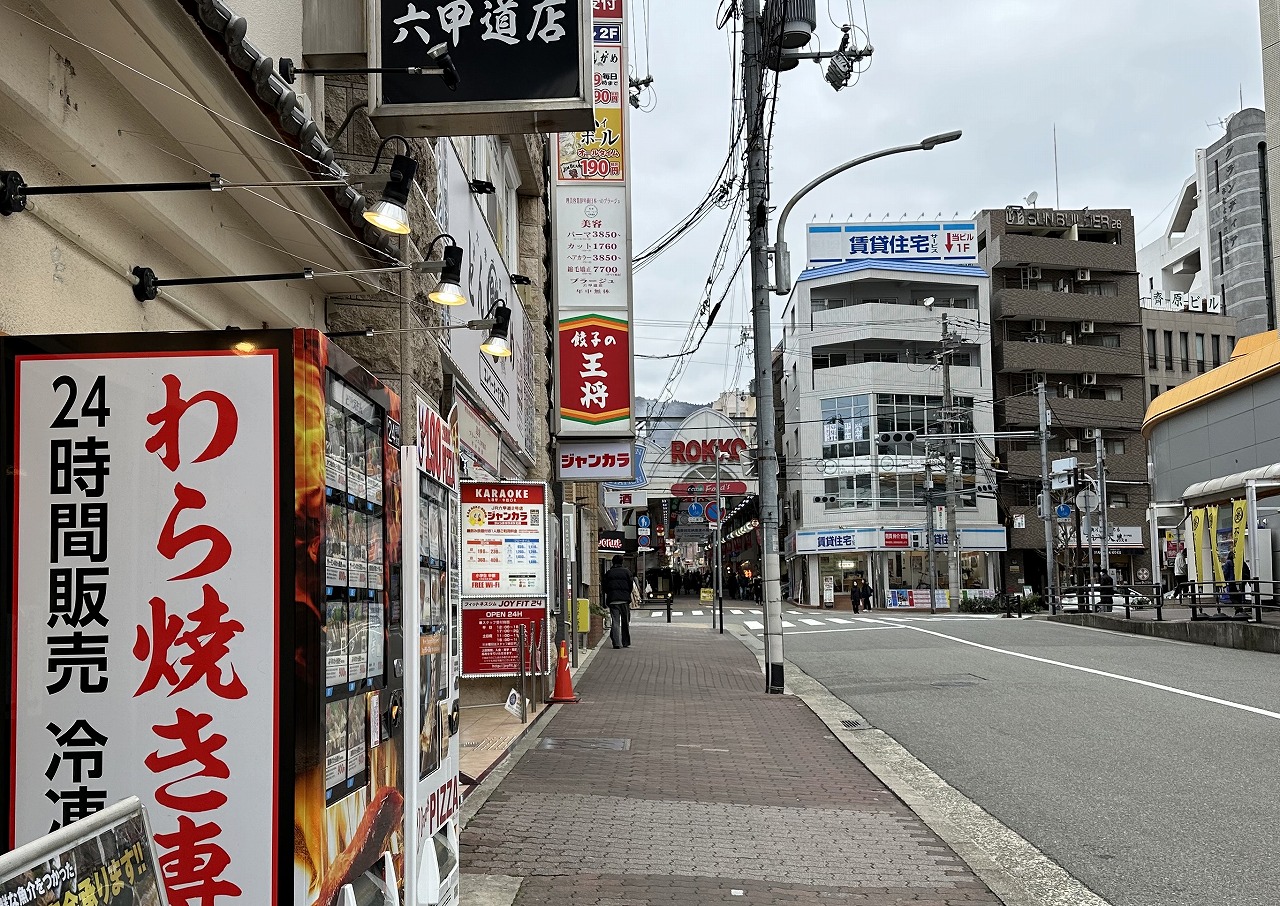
504	542
591	214
146	600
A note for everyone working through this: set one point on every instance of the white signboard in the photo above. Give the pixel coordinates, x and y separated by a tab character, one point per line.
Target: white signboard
625	500
504	386
592	226
836	243
146	599
596	460
504	546
1117	535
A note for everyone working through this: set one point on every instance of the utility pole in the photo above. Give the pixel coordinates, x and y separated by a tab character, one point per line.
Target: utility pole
758	222
928	529
1101	453
1046	496
949	463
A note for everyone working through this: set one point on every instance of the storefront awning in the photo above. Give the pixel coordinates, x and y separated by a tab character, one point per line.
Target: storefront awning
1231	487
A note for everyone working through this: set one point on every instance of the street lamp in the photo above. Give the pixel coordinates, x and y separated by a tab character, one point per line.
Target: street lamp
781	256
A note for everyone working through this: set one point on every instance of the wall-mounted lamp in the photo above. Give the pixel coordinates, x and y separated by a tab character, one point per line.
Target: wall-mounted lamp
482	187
474	324
497	344
14	190
439	53
449	290
390	214
521	280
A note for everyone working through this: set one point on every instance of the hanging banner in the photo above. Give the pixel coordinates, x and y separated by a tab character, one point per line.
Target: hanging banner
1197	541
1211	521
591	226
1239	522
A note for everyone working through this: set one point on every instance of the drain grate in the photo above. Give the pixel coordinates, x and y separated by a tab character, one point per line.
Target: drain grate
562	743
858	724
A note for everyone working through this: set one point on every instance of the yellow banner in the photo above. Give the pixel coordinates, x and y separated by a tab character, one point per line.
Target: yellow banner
1239	521
706	594
1197	541
1212	520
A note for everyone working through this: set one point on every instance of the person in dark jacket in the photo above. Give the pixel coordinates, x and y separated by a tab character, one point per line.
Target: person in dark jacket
616	585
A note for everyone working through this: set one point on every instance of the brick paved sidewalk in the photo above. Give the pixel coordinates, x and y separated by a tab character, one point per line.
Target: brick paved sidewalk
697	788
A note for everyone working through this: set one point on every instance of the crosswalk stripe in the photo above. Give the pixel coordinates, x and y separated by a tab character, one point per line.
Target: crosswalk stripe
696	613
736	611
865	620
808	622
753	624
837	620
785	624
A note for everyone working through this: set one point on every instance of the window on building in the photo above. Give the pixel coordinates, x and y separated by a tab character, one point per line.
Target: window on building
850	492
1200	353
1168	350
1115	445
881	357
1115	394
1154	390
1117	500
829	360
878	300
846	426
1184	352
1109	340
1096	289
1231	345
1215	346
1151	349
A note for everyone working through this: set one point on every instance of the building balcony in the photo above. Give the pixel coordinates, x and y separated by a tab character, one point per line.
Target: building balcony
1123	415
1028	304
1059	358
1014	250
896	376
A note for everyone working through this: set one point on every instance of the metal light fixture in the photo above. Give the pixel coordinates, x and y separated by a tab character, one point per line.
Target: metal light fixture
449	290
473	324
14	190
482	187
438	52
497	344
390	213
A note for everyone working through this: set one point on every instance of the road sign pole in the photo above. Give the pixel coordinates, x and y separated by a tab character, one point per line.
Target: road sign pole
1046	499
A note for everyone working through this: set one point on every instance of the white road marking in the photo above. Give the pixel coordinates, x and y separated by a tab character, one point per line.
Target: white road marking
698	613
753	624
1119	676
837	620
866	620
739	612
788	625
877	628
809	622
677	613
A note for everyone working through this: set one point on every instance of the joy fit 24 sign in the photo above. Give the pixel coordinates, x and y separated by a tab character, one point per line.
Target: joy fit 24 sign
504	544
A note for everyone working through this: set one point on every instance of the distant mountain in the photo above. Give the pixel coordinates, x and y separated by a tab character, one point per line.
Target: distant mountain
659	432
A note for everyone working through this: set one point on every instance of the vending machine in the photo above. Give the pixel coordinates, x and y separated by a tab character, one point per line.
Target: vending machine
431	594
201	604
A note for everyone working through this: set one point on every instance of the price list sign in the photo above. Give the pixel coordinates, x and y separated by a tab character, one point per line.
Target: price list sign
504	546
491	637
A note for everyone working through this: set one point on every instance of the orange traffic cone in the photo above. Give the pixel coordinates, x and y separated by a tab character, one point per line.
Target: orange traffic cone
564	684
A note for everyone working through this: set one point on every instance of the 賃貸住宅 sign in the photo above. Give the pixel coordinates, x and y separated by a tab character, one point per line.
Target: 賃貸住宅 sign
872	538
504	543
610	543
595	460
523	66
837	243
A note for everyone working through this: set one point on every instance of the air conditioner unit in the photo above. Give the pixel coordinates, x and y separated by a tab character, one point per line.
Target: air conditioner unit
1090	378
1033	273
1083	275
1086	327
1068	337
1072	444
1038	325
1092	433
1064	285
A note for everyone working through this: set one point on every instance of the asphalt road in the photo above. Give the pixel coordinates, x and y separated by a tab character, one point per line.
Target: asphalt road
1148	794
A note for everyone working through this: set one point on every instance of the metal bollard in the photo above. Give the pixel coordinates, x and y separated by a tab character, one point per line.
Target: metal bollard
668	610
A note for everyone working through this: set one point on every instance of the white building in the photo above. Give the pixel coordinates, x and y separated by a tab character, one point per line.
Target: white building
860	357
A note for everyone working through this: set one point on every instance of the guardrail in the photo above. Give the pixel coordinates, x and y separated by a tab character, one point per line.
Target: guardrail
657	602
1246	599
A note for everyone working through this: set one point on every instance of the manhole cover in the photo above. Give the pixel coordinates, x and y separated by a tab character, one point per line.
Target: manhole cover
858	724
558	743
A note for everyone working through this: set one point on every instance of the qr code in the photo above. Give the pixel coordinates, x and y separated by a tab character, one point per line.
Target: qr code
535	518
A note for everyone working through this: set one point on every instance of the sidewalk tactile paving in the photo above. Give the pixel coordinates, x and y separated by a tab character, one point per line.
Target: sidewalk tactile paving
723	788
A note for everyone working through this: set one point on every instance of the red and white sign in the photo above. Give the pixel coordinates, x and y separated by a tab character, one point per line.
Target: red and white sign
707	450
504	550
595	376
897	539
146	594
706	490
491	636
596	460
436	454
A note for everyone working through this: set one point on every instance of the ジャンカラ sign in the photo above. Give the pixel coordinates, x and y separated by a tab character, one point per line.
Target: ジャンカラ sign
504	550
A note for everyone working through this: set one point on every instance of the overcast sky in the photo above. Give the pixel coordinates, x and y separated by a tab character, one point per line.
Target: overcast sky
1130	85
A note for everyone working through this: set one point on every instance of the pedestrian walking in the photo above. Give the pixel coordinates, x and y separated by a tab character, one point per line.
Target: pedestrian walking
1106	590
862	594
617	585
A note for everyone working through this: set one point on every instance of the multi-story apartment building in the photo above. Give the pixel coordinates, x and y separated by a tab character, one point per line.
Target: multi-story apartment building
1065	313
859	360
